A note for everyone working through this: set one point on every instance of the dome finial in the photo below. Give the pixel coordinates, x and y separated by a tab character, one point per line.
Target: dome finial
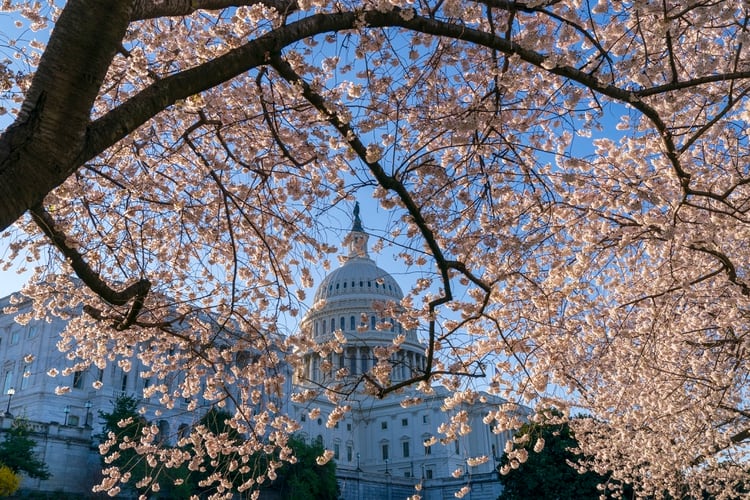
357	225
357	238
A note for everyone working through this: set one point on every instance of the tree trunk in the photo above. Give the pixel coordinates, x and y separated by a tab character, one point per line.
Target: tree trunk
40	150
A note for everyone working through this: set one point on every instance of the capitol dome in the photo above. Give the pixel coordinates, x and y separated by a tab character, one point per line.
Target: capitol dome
359	276
351	297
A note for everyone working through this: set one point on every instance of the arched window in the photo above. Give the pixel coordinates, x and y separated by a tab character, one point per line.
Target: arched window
333	325
372	322
351	323
342	323
316	328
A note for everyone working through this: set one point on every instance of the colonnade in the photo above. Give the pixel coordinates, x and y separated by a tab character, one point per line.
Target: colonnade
360	359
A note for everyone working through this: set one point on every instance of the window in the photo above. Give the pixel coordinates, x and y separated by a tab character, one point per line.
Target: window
316	328
458	448
31	332
73	420
163	435
342	324
404	422
349	453
384	451
405	448
124	385
348	427
352	326
14	336
428	473
425	419
333	325
336	449
372	322
8	383
183	431
428	450
384	425
78	380
303	417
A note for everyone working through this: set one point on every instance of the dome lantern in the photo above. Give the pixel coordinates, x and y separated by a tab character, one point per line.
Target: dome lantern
356	240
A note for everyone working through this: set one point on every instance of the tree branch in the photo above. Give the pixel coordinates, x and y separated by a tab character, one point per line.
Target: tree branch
136	292
39	151
150	9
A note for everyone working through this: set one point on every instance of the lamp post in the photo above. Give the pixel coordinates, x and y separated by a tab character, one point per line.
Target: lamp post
88	406
67	411
10	393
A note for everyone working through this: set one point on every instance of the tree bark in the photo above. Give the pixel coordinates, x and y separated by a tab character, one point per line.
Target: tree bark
42	148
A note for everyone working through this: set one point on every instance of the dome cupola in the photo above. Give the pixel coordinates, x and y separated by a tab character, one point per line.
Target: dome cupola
358	277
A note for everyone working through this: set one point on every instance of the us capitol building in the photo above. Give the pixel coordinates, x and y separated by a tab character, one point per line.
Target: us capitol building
381	449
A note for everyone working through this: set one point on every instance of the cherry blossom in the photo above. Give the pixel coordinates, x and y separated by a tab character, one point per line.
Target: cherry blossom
566	181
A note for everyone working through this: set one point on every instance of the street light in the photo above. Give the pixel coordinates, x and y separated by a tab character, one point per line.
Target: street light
88	406
67	411
10	393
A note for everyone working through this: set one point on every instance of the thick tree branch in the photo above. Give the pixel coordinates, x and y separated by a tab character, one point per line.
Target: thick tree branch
150	9
106	29
39	151
136	292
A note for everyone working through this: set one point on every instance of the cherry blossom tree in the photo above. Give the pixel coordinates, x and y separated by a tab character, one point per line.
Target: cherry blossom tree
569	179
